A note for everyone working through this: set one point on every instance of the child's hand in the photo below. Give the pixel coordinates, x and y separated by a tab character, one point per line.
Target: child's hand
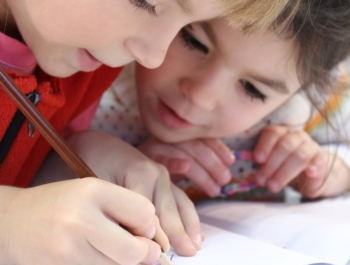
118	162
205	161
291	157
77	222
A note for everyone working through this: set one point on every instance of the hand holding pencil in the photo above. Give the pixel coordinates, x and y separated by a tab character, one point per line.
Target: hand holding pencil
74	221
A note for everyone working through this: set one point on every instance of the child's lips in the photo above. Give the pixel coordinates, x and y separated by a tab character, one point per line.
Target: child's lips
171	118
87	62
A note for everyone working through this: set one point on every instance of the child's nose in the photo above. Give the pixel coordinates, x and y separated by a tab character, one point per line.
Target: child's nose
150	48
200	93
150	55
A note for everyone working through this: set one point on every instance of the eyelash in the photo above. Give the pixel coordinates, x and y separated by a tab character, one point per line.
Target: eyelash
143	4
252	91
191	42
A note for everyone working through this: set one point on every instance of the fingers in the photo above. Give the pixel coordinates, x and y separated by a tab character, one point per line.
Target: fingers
267	141
119	245
317	166
208	159
204	162
172	158
157	187
311	182
137	214
284	154
221	150
170	218
174	165
145	179
132	210
189	217
159	237
200	177
77	222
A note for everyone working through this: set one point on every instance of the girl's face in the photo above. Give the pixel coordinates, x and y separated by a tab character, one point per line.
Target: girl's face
68	36
216	82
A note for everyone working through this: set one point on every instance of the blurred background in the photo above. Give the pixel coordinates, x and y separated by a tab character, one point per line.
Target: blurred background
347	64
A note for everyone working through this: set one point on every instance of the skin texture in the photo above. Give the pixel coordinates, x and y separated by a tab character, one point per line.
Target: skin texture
67	213
61	220
204	97
134	171
113	32
206	90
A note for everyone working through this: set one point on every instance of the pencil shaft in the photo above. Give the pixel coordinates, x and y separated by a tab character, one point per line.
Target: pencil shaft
46	129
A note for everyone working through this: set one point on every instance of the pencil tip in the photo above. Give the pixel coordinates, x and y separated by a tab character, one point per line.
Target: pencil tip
163	260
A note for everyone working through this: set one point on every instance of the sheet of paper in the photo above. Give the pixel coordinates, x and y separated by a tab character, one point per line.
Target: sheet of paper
226	248
320	229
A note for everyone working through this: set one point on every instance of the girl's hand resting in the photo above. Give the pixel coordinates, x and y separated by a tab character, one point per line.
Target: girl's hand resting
203	161
290	156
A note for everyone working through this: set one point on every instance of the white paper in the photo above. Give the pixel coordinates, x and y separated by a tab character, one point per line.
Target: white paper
225	248
320	229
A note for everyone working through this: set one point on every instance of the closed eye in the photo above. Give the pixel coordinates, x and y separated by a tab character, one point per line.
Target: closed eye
191	42
143	4
252	91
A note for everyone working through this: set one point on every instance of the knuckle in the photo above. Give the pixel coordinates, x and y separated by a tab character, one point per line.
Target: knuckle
66	252
301	155
147	212
88	186
147	168
183	196
189	202
170	206
163	171
286	144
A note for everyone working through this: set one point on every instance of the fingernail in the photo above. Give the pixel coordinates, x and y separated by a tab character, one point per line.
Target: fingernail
188	243
198	241
214	191
260	179
312	170
273	186
229	158
259	156
225	177
151	232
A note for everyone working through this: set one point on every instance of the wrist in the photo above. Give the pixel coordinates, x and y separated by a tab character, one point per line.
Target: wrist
7	196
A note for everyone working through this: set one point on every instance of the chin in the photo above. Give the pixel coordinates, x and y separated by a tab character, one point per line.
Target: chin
58	71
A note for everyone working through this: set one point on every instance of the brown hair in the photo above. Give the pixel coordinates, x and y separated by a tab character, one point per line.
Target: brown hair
257	15
321	29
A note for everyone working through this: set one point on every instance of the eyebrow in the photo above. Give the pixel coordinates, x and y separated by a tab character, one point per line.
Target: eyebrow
209	31
185	6
278	85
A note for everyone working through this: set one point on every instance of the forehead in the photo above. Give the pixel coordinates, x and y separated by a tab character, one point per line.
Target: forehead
201	9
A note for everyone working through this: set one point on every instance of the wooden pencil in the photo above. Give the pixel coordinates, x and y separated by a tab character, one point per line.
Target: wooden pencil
46	129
